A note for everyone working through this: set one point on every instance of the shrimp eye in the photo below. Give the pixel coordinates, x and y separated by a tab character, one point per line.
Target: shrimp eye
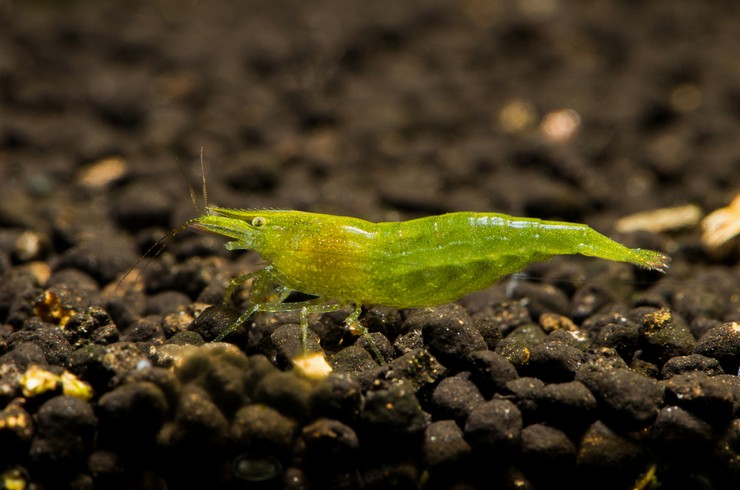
259	221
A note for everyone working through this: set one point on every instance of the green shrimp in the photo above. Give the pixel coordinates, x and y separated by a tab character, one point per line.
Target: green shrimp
346	261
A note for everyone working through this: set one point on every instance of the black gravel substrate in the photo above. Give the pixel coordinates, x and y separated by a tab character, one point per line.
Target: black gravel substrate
580	374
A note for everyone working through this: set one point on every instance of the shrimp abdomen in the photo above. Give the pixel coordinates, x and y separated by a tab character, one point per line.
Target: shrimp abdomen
472	237
439	259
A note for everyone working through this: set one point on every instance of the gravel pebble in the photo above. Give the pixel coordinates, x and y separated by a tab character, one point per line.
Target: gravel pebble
288	342
590	298
617	332
19	290
444	445
108	469
198	425
337	396
554	362
329	442
409	341
98	259
49	337
517	346
99	365
665	335
214	320
166	302
644	368
376	340
353	359
384	320
489	330
542	298
449	334
606	457
23	355
261	429
630	401
417	367
680	435
722	343
491	371
147	331
392	410
547	454
285	391
81	326
454	398
706	396
65	428
526	394
691	362
256	468
505	316
727	452
164	379
131	416
186	338
141	205
569	406
494	427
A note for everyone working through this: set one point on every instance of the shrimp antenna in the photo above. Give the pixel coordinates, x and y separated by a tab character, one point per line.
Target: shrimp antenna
158	247
191	190
203	177
155	250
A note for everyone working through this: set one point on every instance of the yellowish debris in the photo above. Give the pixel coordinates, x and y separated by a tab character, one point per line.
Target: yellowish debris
517	116
13	479
312	365
73	386
103	172
37	380
49	307
659	220
552	321
560	126
721	226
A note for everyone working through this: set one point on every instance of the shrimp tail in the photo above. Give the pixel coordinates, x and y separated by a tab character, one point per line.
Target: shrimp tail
597	245
650	259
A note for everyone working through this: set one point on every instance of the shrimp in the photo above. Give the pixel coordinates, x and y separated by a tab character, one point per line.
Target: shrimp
424	262
345	261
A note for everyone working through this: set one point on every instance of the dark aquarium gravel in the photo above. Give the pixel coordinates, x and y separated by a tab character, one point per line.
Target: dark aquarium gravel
577	373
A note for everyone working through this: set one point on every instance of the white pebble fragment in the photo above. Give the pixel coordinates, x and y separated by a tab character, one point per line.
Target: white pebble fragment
721	226
659	220
104	172
313	365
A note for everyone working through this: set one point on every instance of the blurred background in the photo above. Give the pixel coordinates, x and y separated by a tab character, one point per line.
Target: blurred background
557	109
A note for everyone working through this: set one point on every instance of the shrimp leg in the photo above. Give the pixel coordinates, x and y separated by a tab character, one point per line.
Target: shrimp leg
269	298
354	325
259	298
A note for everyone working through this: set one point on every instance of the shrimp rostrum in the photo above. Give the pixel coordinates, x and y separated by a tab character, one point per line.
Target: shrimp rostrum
423	262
